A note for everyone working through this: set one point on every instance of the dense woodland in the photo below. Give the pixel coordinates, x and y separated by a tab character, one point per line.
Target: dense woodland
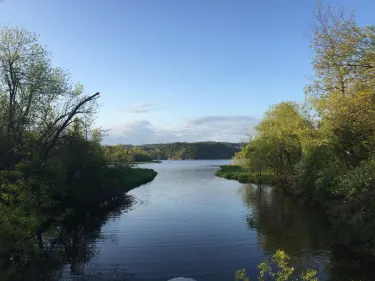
52	164
172	151
126	154
324	149
196	150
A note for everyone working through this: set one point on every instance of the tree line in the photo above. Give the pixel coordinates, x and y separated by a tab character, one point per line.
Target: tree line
324	149
52	164
194	150
126	154
172	151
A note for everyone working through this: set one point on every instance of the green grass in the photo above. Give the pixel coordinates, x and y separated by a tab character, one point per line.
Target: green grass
137	176
234	172
111	186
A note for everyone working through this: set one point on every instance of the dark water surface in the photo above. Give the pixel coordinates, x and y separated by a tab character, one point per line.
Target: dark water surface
189	223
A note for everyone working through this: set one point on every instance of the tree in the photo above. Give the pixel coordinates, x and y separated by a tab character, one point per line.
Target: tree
279	140
50	158
251	157
348	124
344	52
35	97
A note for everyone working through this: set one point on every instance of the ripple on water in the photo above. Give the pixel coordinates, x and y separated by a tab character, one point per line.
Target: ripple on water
181	279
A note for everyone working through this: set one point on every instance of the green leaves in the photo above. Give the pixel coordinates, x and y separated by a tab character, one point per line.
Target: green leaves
279	141
278	268
344	52
240	275
324	149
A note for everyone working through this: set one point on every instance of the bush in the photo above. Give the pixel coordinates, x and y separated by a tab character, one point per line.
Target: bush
284	271
316	174
235	172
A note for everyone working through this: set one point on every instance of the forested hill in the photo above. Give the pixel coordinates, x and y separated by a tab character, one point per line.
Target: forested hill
197	150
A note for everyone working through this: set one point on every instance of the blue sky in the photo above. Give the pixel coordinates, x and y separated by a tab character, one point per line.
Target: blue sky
179	70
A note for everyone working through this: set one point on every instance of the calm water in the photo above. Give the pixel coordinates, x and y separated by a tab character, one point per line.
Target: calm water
189	223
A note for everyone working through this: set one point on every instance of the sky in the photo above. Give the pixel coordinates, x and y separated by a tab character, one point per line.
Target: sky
180	70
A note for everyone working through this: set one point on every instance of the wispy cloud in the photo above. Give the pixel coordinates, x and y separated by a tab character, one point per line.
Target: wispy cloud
139	108
230	128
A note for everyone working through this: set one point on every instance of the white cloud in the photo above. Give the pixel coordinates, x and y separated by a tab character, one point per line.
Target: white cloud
231	128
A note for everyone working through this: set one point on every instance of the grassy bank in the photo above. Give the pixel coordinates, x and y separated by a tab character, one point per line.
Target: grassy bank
112	183
137	177
234	172
80	224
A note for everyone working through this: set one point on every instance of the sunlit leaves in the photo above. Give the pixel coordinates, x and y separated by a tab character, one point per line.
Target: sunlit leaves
279	142
344	52
278	268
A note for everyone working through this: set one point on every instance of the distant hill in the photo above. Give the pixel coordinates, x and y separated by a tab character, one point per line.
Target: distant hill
197	150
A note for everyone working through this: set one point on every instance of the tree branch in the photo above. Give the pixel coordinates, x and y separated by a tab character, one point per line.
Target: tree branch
64	125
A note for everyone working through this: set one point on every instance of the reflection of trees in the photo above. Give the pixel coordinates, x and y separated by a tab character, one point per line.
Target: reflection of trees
73	243
345	265
302	231
283	222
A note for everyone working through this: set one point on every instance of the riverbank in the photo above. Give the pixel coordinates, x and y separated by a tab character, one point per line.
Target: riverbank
328	205
116	181
279	221
138	177
86	194
123	179
235	172
145	162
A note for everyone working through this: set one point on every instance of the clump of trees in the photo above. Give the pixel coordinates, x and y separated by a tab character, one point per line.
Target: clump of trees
122	154
324	149
195	150
52	164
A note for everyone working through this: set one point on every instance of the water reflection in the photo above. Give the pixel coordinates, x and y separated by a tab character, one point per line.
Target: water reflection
74	243
283	222
303	232
194	225
199	226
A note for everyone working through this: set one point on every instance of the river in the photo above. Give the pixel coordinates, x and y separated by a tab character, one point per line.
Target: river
189	223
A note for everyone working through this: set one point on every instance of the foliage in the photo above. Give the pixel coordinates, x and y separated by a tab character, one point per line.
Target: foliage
173	151
198	150
235	172
52	165
284	271
122	154
324	150
279	142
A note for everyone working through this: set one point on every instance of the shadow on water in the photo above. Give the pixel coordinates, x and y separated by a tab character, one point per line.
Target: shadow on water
74	243
302	230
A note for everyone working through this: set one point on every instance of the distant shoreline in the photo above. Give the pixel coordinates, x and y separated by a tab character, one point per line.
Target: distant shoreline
144	162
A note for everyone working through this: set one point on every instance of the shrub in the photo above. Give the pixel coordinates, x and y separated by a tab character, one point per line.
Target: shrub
284	271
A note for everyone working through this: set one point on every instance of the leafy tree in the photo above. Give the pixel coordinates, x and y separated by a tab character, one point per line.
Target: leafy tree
37	101
344	53
279	140
324	149
51	160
